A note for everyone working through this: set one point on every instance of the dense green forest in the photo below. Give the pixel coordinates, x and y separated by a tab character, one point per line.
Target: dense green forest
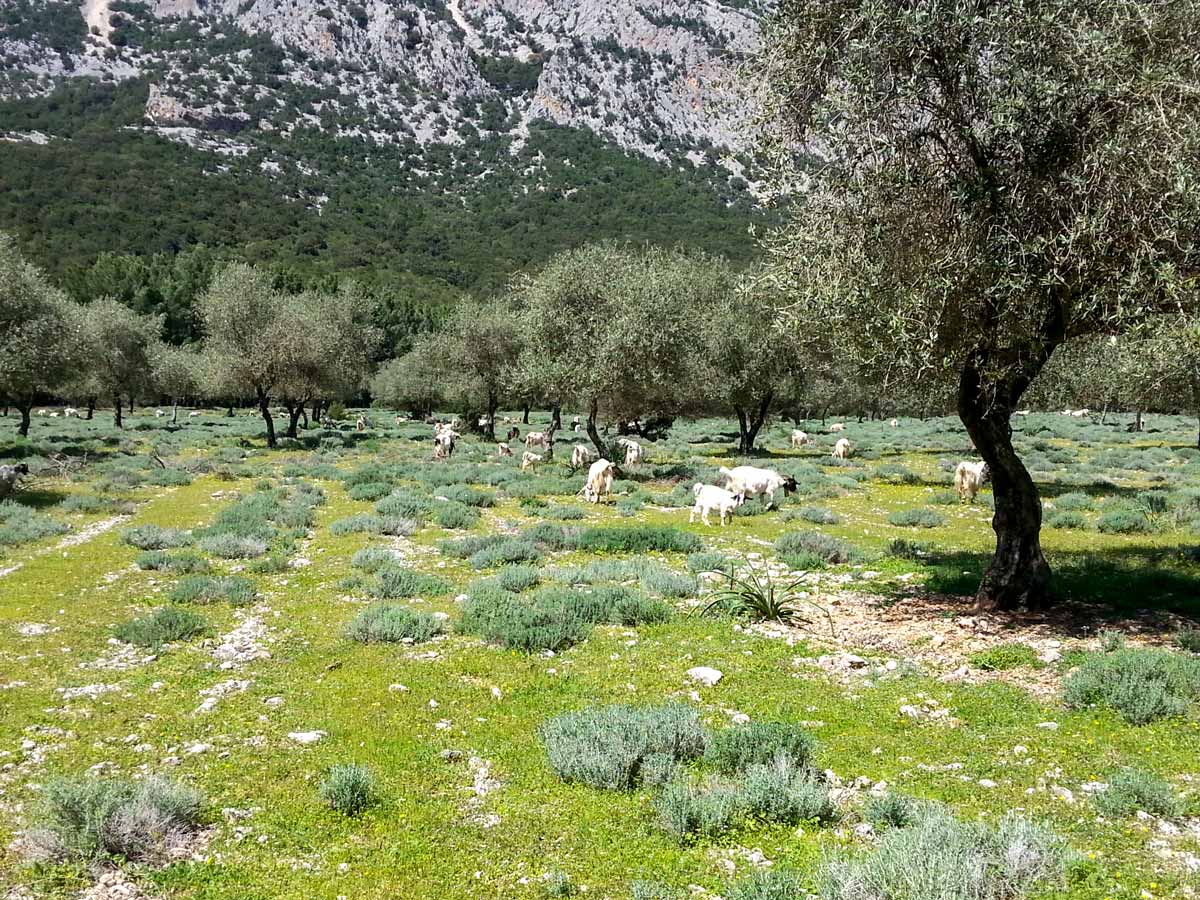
463	221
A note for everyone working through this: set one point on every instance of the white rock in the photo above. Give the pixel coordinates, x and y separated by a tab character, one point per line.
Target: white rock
1061	793
306	737
986	783
1049	726
705	675
197	748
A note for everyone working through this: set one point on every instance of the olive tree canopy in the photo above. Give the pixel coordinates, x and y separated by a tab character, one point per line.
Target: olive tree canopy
120	346
615	328
41	334
990	180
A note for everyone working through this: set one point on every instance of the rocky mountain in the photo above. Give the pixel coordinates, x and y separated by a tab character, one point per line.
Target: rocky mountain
338	106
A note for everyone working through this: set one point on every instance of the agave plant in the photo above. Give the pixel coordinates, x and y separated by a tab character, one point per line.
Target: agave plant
751	593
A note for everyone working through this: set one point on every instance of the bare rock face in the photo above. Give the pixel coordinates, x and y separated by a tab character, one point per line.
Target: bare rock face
653	76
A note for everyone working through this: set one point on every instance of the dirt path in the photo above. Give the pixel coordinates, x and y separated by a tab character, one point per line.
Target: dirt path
73	540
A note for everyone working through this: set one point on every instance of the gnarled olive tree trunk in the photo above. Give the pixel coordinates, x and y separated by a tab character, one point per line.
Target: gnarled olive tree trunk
750	421
117	411
264	407
1018	575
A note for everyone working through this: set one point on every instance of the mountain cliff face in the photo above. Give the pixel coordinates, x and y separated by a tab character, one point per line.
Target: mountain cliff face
327	99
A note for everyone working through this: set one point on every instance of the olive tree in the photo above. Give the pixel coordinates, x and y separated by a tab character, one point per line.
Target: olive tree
615	328
41	334
413	381
120	345
176	372
743	362
294	347
981	183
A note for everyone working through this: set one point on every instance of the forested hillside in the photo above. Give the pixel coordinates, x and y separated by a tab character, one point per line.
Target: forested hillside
439	161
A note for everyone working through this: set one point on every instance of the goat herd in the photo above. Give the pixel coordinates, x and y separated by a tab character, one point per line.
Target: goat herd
738	483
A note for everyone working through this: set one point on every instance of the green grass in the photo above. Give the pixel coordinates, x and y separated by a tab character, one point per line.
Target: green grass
429	830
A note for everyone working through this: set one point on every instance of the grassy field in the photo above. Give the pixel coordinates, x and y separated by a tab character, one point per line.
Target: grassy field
901	686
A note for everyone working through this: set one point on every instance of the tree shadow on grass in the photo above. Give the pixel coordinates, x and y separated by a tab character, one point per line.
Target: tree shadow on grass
1131	581
37	498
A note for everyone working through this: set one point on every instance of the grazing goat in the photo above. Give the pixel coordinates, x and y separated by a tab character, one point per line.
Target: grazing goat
71	412
749	481
634	453
444	438
841	450
40	412
599	480
799	438
54	415
837	426
709	498
361	424
195	413
9	476
513	434
543	439
894	422
529	460
581	456
503	449
158	413
968	478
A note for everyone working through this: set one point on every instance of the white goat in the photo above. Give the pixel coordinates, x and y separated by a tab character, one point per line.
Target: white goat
841	450
71	412
894	423
599	480
541	439
837	426
158	414
968	478
529	460
503	449
634	453
195	413
749	481
709	498
799	438
581	456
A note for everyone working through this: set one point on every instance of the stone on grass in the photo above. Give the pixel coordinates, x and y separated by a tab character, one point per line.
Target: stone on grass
705	675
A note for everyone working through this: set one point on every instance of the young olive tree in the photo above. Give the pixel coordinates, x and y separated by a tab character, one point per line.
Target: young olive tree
120	349
414	381
991	180
41	334
176	372
743	361
615	328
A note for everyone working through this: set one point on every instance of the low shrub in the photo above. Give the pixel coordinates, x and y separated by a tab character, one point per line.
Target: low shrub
709	561
654	890
152	537
1003	657
687	810
1141	684
406	505
452	514
1131	790
783	793
773	884
348	788
1111	639
902	548
180	563
90	819
394	582
370	490
892	810
235	589
916	518
1188	639
275	564
637	539
505	552
372	559
1124	520
229	546
552	536
89	503
940	856
527	625
1076	500
386	623
1066	519
169	623
666	583
514	578
558	884
738	748
944	498
818	515
802	546
608	747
